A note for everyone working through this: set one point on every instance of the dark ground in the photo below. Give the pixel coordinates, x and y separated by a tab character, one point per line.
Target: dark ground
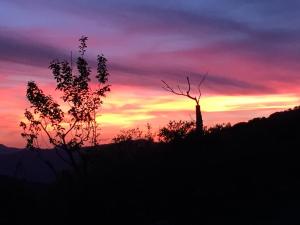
245	174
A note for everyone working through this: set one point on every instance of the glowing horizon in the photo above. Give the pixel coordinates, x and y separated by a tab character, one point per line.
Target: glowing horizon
249	50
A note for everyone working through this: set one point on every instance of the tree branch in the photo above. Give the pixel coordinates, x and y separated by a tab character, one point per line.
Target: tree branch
168	88
188	91
47	133
71	128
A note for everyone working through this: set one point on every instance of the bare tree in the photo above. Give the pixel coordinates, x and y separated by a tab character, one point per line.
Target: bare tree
196	98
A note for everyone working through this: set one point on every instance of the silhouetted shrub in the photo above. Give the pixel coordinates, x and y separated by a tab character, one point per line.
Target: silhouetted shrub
128	135
134	134
176	130
217	129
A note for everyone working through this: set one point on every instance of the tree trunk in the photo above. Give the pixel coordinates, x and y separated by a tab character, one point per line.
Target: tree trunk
199	121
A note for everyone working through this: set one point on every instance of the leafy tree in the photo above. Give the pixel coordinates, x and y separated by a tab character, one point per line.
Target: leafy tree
176	130
67	130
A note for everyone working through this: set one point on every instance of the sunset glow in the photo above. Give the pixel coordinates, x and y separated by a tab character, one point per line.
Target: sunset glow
252	62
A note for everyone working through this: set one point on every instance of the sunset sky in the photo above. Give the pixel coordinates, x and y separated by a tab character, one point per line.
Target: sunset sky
250	50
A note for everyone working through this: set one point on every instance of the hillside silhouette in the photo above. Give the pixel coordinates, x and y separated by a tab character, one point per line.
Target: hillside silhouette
242	174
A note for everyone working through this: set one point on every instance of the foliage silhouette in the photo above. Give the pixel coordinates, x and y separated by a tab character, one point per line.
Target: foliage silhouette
217	129
128	135
134	134
176	131
75	127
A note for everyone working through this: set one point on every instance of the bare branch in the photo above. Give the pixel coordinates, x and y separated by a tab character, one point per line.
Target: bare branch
188	91
179	92
203	79
199	91
199	86
179	89
168	88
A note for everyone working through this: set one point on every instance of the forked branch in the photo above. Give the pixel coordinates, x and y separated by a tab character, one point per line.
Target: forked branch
179	91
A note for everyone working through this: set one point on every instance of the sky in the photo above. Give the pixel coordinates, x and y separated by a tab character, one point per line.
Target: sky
249	49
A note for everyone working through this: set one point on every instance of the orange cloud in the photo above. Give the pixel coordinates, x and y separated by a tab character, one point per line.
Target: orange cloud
129	107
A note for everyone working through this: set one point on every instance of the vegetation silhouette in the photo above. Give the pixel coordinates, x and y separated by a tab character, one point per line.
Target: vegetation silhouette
187	93
176	131
68	130
247	173
134	134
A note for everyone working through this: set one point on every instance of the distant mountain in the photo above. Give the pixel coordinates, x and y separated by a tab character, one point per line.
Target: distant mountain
5	149
28	165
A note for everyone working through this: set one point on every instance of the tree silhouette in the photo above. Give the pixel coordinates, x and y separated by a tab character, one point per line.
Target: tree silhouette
179	91
176	131
134	134
76	126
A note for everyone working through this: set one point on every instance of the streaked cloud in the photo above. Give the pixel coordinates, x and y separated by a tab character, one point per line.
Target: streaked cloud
249	49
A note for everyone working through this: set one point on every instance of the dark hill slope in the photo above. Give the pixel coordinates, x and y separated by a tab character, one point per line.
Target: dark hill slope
278	127
245	174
